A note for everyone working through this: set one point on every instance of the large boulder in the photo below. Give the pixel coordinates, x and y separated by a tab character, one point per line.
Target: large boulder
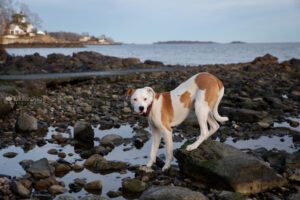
83	132
224	166
171	192
40	169
243	115
26	123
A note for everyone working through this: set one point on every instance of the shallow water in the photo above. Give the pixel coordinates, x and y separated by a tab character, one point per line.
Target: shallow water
113	181
185	54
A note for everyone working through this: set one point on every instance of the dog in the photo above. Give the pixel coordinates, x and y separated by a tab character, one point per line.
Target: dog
203	92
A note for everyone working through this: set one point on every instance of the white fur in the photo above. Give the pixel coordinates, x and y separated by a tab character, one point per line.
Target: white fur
204	113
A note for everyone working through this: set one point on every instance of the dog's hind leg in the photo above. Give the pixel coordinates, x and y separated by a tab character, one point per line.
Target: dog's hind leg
202	110
213	124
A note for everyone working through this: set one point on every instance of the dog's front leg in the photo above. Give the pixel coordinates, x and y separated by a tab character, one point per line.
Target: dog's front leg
169	148
156	137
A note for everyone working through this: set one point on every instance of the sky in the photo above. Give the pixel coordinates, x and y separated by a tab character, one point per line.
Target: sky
147	21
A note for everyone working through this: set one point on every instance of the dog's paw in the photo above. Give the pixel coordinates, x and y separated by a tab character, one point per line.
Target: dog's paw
146	169
166	167
191	147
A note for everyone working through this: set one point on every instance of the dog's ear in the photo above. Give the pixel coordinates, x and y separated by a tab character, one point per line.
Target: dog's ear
150	90
129	92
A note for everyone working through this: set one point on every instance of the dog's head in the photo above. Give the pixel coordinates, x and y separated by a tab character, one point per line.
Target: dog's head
141	99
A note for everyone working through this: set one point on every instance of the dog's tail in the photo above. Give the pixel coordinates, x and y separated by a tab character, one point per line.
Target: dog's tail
216	106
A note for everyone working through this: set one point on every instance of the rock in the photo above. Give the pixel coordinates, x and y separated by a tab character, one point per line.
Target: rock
57	189
20	189
62	168
44	184
26	123
113	194
171	192
153	63
267	59
92	197
294	196
98	163
243	115
109	139
227	195
52	151
66	197
5	108
3	55
93	185
83	132
10	154
130	62
227	167
77	167
133	186
263	124
40	169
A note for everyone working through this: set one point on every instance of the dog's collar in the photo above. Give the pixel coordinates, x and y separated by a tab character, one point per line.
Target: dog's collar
146	114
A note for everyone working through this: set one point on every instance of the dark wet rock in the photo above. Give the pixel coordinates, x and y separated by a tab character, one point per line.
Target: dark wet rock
66	197
276	159
62	168
130	62
243	115
294	196
40	169
98	163
113	194
228	195
153	63
227	167
267	59
26	164
5	108
93	185
10	154
26	123
20	189
111	139
52	151
171	192
293	123
83	132
295	92
44	184
3	55
92	197
133	186
293	161
57	189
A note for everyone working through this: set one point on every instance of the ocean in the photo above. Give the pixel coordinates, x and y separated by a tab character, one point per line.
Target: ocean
184	54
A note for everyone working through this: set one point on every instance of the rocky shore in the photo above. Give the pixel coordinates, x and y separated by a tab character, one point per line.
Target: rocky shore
68	118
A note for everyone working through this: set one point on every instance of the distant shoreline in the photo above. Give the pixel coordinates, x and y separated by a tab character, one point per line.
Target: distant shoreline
185	42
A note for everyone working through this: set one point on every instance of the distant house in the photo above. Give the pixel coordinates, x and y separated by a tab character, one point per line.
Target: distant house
20	27
84	39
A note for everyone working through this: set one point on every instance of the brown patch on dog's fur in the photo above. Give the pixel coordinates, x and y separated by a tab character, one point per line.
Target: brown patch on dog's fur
167	112
185	98
130	91
157	95
211	84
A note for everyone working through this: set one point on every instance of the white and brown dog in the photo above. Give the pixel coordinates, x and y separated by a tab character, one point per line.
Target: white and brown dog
202	91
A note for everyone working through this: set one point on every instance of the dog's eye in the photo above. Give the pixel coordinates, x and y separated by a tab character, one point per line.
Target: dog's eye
135	99
145	99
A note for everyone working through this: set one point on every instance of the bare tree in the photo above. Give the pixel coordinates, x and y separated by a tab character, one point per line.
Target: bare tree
32	17
6	11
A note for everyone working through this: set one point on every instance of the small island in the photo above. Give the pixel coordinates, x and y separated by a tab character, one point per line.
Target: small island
184	42
237	42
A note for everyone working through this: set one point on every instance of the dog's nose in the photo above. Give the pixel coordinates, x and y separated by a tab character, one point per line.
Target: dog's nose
141	108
